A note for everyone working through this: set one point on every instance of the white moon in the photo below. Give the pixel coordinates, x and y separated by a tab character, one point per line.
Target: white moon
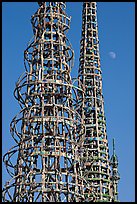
112	55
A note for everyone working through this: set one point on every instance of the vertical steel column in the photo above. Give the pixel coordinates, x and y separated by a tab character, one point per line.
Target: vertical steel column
45	164
96	169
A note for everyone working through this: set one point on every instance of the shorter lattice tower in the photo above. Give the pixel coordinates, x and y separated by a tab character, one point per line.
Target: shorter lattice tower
44	165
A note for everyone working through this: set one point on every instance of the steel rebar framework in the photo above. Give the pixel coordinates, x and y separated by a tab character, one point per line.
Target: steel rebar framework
48	128
61	151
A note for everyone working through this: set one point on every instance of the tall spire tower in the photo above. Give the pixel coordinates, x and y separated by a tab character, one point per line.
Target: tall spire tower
96	168
115	175
44	164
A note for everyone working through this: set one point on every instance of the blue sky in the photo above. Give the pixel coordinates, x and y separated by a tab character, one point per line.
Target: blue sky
116	34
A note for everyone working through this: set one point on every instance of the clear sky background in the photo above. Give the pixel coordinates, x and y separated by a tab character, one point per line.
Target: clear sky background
116	34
